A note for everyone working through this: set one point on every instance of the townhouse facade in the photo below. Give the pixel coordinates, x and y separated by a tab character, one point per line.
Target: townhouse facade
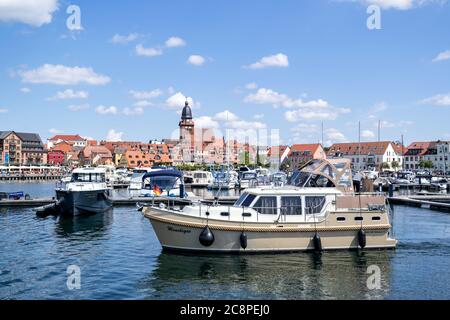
369	155
19	148
302	153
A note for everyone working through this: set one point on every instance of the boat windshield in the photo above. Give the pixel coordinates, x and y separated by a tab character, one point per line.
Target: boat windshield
88	177
309	180
163	182
248	176
245	200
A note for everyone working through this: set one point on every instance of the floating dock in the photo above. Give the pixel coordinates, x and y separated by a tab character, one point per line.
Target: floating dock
432	202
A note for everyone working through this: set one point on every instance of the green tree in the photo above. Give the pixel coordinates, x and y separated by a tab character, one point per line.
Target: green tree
385	165
395	165
426	164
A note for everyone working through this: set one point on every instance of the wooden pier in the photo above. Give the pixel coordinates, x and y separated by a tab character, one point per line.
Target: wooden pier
432	202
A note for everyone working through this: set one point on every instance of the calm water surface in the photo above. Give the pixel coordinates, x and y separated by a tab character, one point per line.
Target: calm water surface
120	258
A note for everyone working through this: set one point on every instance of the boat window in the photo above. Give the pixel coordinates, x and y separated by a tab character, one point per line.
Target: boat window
291	205
299	178
345	179
266	205
241	199
248	201
314	204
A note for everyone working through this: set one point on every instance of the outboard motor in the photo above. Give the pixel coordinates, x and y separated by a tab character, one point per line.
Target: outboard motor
243	240
206	237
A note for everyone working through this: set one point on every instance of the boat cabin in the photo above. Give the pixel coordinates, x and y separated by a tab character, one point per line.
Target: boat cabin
89	175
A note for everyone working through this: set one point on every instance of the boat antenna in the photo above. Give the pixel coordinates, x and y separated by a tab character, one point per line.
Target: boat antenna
361	233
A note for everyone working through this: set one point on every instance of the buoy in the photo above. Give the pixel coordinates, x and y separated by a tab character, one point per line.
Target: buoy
243	240
317	243
206	237
361	238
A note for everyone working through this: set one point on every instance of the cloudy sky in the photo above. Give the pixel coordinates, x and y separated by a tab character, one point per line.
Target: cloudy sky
126	70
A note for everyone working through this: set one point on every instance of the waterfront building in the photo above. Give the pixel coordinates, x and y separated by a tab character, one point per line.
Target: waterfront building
443	155
75	139
56	157
187	135
418	152
300	154
277	155
369	155
21	148
95	155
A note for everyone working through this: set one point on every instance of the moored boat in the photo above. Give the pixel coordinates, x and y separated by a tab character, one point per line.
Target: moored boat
318	211
87	192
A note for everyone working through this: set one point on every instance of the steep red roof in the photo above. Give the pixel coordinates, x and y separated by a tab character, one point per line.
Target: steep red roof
352	148
420	148
67	137
311	147
277	150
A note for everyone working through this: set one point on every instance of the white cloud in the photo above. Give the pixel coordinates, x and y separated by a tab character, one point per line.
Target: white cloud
442	56
251	86
305	128
196	60
226	116
31	12
3	110
118	39
309	110
177	101
441	100
144	103
114	136
25	90
106	110
55	131
78	107
397	4
206	122
69	94
278	60
232	121
143	95
133	111
173	42
258	116
148	52
335	135
63	75
388	124
367	134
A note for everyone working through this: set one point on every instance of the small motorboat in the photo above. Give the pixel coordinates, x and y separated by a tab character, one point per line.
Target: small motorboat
248	179
201	179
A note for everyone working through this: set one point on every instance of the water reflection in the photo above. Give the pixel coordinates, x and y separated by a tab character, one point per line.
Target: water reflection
331	275
90	226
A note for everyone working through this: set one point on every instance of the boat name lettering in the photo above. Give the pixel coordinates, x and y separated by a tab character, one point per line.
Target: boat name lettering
178	230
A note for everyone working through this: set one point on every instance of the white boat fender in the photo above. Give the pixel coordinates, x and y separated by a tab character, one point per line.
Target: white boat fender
317	243
243	240
206	237
361	238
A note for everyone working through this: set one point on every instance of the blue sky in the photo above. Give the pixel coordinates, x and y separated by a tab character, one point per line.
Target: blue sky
285	65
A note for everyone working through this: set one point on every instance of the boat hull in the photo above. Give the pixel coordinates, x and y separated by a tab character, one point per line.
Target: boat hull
182	234
83	202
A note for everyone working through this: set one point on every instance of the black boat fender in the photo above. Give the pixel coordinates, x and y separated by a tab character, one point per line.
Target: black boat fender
361	238
243	240
206	237
317	243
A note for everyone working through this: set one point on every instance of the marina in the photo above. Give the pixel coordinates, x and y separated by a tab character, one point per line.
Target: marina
36	254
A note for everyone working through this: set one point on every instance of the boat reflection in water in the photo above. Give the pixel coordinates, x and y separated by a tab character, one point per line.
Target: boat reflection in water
86	226
331	275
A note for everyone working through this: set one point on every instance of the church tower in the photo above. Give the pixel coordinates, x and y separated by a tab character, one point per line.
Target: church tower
187	131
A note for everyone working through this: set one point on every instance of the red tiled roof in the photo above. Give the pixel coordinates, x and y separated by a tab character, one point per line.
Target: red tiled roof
423	146
312	147
67	137
377	148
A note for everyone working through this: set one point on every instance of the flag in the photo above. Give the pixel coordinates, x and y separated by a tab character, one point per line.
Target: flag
156	190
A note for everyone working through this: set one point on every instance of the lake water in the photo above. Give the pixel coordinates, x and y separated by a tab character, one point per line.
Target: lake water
120	258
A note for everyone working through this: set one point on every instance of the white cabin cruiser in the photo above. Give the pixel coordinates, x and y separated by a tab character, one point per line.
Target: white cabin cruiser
201	179
87	192
225	180
248	179
318	212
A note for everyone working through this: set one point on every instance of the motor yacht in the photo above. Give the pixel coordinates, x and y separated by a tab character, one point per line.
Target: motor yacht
87	192
248	179
318	210
201	179
225	180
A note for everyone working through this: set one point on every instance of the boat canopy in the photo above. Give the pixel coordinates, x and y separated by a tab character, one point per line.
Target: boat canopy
163	173
325	173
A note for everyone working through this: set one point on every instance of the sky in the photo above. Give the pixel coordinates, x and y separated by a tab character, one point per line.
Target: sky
274	69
